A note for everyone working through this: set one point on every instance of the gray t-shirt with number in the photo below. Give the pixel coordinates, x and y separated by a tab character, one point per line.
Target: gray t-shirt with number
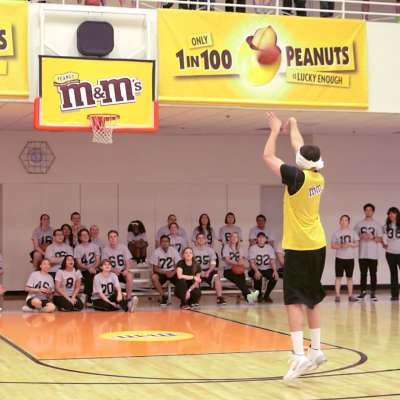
43	236
68	279
262	256
369	248
105	284
178	243
342	236
166	260
210	235
205	257
256	230
87	254
40	280
391	238
58	250
226	231
231	254
119	256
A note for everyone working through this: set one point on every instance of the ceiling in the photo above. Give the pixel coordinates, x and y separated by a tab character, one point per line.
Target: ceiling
178	120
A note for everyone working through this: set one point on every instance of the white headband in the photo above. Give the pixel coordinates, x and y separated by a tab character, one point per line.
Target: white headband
303	163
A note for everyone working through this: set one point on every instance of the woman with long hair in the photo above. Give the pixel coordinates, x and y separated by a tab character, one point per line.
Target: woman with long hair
68	236
204	227
42	236
137	241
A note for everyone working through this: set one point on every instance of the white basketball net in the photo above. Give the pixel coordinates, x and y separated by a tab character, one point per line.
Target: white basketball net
102	133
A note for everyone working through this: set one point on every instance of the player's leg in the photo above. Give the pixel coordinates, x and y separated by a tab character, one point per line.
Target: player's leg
392	260
339	271
271	283
181	288
195	295
315	354
240	281
63	304
373	269
155	278
48	307
349	277
88	284
128	284
363	263
34	304
215	278
257	283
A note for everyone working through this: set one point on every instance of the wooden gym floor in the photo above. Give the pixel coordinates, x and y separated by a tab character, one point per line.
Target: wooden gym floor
231	352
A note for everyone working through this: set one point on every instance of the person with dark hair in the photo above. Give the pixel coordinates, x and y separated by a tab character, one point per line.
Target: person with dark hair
76	226
261	227
56	252
176	241
262	265
68	283
226	231
164	260
164	230
303	240
137	241
68	236
344	241
188	279
87	256
94	231
327	8
391	243
370	233
40	288
42	236
206	229
107	294
301	4
232	8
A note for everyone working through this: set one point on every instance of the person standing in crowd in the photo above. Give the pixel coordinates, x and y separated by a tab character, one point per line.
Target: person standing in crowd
299	4
87	256
56	252
280	259
164	230
95	238
261	226
42	236
391	243
370	233
303	240
233	257
67	285
68	236
176	241
327	8
262	264
226	231
137	241
206	257
206	229
188	279
344	241
40	288
76	226
119	257
164	260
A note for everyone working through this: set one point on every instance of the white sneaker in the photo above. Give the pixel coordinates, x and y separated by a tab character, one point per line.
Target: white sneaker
133	303
252	297
316	358
298	365
26	308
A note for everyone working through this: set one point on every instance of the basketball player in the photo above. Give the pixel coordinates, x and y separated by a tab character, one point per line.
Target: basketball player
94	237
206	257
56	252
164	230
76	226
119	257
176	241
370	232
226	231
42	236
262	264
261	226
303	240
205	228
344	241
391	242
164	260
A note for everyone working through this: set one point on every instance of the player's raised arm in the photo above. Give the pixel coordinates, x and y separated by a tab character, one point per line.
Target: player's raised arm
270	158
296	139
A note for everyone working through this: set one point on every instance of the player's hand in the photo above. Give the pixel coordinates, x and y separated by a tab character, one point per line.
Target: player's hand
113	304
73	300
275	275
44	290
274	122
119	297
197	279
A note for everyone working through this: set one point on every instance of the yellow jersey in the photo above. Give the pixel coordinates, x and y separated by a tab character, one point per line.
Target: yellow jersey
302	228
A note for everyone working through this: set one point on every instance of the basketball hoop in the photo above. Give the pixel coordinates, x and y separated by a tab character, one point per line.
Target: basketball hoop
102	133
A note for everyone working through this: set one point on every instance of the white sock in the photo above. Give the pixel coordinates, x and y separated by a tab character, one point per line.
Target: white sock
297	343
315	338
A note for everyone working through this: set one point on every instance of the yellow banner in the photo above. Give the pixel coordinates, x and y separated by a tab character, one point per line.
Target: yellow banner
13	50
258	60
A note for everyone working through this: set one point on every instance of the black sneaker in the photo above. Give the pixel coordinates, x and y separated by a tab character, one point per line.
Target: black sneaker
260	298
394	298
164	301
361	295
268	300
221	301
373	297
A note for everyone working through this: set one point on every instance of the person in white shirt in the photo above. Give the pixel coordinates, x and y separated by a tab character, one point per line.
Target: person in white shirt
95	238
164	260
164	230
76	226
119	257
137	241
391	243
176	241
42	236
68	236
56	252
261	226
370	233
67	285
226	231
344	241
206	229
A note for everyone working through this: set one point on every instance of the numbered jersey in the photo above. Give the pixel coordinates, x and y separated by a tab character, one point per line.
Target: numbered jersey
119	256
369	248
68	279
226	231
165	260
43	237
210	235
392	238
343	236
178	243
40	280
105	284
262	256
232	254
58	250
205	257
164	230
256	230
87	254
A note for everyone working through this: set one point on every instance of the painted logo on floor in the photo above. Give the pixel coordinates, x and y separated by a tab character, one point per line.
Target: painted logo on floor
147	336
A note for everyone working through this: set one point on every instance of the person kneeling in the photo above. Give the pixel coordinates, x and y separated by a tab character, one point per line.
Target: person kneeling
68	284
107	293
187	286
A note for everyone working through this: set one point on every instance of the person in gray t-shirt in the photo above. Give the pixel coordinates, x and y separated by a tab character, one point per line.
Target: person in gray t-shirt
344	241
391	242
370	233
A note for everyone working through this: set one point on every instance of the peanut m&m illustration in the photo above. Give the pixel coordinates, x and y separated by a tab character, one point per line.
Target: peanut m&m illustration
260	57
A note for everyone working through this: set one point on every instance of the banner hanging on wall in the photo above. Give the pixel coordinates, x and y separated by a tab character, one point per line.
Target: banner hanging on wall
13	50
254	60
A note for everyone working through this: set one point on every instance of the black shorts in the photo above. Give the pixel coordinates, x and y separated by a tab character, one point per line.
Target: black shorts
344	266
302	277
210	279
30	305
163	279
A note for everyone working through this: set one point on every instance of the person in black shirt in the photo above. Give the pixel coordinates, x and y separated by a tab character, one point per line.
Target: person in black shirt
187	286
